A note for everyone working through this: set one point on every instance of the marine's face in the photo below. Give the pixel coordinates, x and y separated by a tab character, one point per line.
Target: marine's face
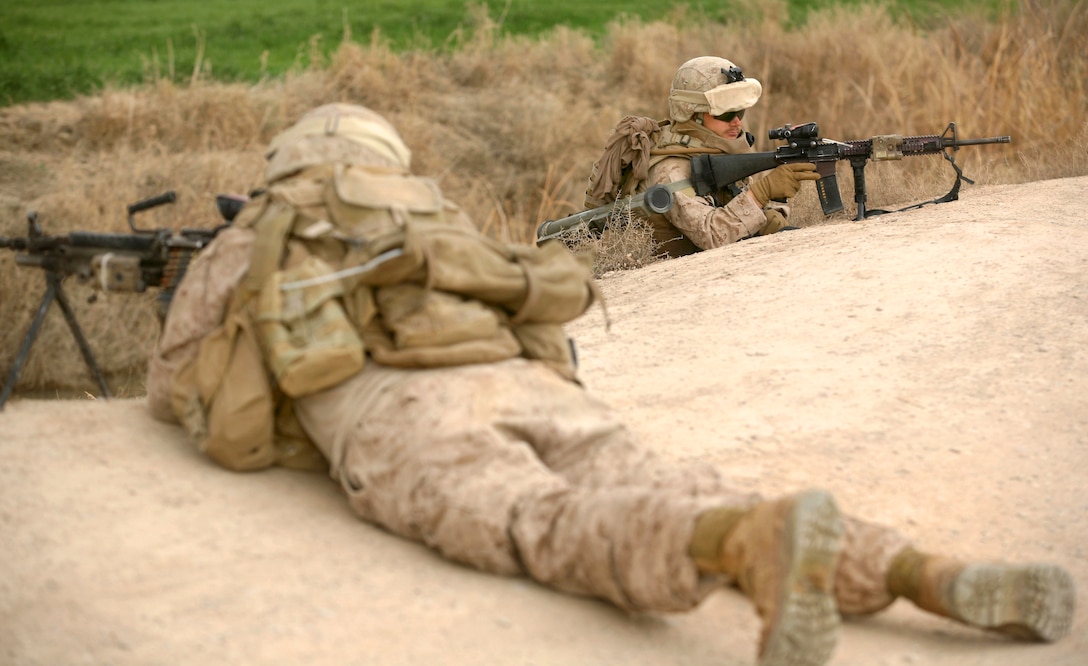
727	125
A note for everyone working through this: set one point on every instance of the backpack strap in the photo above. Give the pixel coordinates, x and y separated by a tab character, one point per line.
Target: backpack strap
271	230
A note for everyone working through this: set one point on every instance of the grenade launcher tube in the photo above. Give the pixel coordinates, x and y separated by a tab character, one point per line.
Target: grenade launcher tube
655	200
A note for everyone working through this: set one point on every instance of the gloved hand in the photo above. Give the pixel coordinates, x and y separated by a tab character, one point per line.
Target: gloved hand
776	222
783	182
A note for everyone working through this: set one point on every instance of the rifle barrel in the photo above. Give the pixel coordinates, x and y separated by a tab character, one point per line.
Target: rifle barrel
105	241
979	142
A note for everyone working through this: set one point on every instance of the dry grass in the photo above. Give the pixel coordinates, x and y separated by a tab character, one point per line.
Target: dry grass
510	127
626	244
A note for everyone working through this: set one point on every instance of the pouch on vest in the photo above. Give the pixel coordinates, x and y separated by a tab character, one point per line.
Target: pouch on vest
427	328
559	284
293	448
419	317
233	386
546	284
550	344
309	342
498	348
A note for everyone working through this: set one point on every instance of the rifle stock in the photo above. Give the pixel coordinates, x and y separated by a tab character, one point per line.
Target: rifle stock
707	173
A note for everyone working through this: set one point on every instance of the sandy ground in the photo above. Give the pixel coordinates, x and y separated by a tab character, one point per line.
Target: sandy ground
929	367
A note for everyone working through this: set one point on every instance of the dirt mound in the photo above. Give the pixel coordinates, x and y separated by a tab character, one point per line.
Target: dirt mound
929	367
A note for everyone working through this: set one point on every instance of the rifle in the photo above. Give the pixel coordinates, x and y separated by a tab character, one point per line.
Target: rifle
714	172
133	262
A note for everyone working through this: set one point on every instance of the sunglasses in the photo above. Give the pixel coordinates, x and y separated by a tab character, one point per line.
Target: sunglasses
729	116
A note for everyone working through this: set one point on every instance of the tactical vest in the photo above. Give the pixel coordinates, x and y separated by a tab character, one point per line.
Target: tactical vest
638	143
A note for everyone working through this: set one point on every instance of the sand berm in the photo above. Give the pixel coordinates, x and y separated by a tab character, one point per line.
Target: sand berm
929	367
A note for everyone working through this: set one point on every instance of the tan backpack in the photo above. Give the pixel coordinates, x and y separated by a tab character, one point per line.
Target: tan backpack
380	264
625	162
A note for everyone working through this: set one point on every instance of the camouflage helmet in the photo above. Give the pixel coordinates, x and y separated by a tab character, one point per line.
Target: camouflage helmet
712	85
344	133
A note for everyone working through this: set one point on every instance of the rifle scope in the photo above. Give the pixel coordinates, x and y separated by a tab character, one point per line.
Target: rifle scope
788	132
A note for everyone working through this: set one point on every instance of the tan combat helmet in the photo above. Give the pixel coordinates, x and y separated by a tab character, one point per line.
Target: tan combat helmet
713	85
344	133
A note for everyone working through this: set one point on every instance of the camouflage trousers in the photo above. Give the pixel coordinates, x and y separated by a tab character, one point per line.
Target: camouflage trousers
510	469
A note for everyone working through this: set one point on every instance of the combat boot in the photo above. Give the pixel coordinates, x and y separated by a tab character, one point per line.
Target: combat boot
782	554
1026	601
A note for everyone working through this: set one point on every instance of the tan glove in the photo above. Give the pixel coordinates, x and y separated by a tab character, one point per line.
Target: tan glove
776	222
783	182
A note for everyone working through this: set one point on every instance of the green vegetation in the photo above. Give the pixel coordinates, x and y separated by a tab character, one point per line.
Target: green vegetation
58	49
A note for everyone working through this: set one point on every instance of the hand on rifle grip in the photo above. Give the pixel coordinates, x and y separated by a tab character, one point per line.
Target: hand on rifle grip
783	181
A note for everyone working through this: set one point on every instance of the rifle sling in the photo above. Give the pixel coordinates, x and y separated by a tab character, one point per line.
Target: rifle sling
686	151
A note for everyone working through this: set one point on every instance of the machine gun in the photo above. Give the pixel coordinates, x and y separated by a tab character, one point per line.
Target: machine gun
711	173
145	258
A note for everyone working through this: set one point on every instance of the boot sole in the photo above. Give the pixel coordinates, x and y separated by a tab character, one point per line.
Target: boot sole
1030	601
806	627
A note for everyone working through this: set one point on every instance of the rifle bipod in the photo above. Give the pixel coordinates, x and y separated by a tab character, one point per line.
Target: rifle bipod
53	292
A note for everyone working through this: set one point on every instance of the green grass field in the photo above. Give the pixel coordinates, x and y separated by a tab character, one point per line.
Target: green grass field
58	49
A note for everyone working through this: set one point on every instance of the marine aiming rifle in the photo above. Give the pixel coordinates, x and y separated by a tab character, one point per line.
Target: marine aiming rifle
713	172
130	262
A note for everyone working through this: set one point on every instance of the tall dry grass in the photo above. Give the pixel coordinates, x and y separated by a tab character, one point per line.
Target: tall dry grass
510	126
